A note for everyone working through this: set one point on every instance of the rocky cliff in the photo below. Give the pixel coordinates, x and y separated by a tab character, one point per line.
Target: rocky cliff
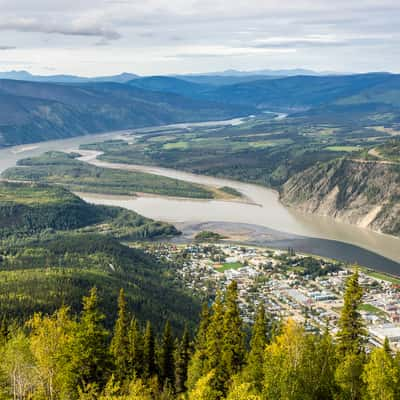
365	193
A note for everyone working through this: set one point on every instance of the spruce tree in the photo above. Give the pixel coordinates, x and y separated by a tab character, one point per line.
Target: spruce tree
197	362
182	356
233	340
254	370
167	367
352	334
89	356
381	376
120	345
135	349
149	365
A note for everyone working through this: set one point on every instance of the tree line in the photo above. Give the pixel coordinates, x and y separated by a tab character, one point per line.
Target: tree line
61	356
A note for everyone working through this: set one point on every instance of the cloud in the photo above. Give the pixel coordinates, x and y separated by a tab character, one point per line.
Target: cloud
7	47
75	28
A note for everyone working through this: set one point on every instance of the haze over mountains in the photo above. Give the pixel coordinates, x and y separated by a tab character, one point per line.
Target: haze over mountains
70	106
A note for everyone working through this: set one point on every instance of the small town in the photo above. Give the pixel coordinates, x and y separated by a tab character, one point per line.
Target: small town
305	288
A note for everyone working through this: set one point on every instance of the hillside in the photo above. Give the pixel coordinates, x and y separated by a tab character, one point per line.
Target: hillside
31	209
43	274
293	93
32	111
365	193
55	246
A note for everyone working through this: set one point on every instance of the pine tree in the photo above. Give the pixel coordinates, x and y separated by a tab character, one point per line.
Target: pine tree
233	340
167	367
254	370
182	356
149	365
214	344
351	335
135	349
89	356
120	345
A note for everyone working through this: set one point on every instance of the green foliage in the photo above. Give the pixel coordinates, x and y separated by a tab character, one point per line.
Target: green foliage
43	274
352	334
120	344
208	236
30	209
62	169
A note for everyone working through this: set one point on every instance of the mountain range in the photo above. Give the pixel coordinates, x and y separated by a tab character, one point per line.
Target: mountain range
35	111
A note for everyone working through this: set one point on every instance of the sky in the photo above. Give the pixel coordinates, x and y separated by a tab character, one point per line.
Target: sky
104	37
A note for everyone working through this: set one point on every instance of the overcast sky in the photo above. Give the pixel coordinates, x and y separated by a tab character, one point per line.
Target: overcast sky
98	37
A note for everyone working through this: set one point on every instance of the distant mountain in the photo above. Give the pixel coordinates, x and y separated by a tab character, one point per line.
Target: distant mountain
296	92
172	85
266	72
27	76
32	111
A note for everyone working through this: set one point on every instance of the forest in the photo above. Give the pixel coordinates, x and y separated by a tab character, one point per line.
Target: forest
64	169
65	355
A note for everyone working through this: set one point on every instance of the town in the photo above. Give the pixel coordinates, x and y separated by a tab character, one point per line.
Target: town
305	288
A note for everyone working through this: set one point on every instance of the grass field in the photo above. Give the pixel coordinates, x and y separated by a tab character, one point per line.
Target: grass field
228	266
373	310
383	277
346	149
176	145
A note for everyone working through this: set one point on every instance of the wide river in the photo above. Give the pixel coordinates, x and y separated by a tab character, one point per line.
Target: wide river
262	214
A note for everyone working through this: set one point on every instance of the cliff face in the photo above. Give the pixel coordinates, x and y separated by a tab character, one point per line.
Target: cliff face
362	193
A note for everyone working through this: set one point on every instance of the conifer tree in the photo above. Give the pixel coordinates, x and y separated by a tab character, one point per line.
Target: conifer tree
149	365
167	367
135	349
254	370
120	346
197	362
182	356
351	339
89	355
351	335
233	340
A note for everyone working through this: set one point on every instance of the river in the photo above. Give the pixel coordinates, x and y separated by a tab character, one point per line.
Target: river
261	217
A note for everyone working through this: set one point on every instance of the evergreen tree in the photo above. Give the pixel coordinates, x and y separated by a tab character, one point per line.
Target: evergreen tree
351	339
233	340
214	344
120	346
348	376
197	362
351	335
254	370
89	356
167	367
135	349
149	365
182	362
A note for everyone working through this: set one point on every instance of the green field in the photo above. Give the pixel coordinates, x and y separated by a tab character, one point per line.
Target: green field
228	266
175	146
343	149
383	277
373	310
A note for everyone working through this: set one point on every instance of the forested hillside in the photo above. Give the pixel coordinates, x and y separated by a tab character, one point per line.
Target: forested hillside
33	111
59	356
54	247
29	209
